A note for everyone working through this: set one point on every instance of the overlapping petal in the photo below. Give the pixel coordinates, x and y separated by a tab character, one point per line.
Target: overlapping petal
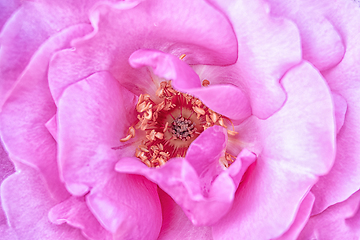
267	48
300	220
339	221
322	41
26	202
176	225
155	24
28	28
297	145
128	206
93	114
29	106
75	212
224	99
343	179
197	182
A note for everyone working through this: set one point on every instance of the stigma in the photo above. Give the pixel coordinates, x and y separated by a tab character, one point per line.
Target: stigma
170	123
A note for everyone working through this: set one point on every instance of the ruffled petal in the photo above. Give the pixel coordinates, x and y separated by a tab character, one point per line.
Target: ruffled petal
322	42
340	106
26	202
51	126
300	220
343	179
128	206
297	145
340	221
6	169
197	182
165	25
176	225
27	138
76	213
93	115
7	7
267	48
224	99
28	28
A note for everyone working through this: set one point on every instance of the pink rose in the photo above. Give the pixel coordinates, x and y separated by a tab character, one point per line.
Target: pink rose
255	137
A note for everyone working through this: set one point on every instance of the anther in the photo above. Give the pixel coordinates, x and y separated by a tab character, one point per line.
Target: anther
205	83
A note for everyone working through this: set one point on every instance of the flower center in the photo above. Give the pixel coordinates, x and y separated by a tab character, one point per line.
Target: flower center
183	128
171	122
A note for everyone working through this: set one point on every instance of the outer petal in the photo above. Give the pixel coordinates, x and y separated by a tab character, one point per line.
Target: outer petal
76	213
176	225
28	28
297	146
93	115
344	79
268	47
26	138
300	220
7	7
26	202
321	40
197	183
224	99
340	221
128	206
171	26
6	169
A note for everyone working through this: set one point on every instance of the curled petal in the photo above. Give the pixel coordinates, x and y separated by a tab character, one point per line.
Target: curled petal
340	221
128	206
197	182
76	213
165	25
26	202
224	99
93	115
28	28
26	138
268	48
175	223
321	39
300	220
343	79
297	145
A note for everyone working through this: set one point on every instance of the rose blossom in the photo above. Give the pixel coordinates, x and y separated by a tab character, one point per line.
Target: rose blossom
264	94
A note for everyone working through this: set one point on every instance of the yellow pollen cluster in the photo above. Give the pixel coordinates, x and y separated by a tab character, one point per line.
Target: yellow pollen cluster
171	122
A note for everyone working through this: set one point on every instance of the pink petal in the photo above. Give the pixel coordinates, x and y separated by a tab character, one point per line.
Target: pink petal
28	28
340	221
159	25
27	138
175	223
93	115
51	126
128	206
340	106
76	213
6	169
300	220
26	202
322	42
197	182
343	179
267	48
224	99
297	146
7	7
7	233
